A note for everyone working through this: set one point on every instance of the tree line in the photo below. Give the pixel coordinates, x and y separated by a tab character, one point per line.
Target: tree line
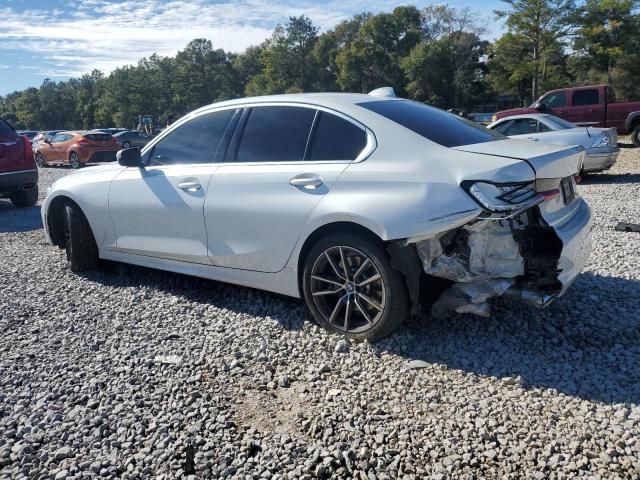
434	55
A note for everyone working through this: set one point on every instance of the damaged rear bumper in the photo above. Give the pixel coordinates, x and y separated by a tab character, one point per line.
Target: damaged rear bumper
522	257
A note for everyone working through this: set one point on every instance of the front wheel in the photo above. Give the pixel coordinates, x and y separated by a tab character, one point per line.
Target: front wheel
74	160
351	288
80	245
635	136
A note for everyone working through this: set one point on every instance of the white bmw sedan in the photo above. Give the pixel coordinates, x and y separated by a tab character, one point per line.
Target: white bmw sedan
362	205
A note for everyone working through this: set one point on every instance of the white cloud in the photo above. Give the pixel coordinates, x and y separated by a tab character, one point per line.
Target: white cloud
99	34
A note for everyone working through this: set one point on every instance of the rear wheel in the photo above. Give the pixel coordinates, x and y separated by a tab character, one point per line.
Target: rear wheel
635	136
351	289
74	160
80	245
40	161
24	198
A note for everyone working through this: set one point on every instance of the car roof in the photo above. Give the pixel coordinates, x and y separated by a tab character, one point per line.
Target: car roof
324	99
536	116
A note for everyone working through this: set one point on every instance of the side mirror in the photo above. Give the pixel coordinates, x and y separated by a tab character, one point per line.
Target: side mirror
130	157
540	106
47	140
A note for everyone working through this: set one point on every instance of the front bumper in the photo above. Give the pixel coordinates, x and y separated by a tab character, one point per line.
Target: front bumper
596	161
18	180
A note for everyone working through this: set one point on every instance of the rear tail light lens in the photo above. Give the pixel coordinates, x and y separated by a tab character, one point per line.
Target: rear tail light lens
28	149
602	141
503	198
84	141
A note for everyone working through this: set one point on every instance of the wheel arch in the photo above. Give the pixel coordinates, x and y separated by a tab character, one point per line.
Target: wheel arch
328	229
55	218
633	120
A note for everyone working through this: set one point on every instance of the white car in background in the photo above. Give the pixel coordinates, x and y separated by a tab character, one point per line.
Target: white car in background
356	203
601	144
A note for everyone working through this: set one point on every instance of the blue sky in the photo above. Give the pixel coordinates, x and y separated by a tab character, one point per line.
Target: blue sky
59	39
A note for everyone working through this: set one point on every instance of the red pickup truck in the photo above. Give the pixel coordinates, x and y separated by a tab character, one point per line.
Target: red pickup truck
18	172
594	106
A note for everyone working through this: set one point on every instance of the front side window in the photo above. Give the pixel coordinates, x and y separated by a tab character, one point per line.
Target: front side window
335	138
555	100
195	141
432	123
275	134
60	137
585	97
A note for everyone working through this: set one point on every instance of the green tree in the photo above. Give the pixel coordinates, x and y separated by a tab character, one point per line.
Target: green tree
606	33
541	24
373	58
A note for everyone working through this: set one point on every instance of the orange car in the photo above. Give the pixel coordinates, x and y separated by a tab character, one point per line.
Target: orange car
76	149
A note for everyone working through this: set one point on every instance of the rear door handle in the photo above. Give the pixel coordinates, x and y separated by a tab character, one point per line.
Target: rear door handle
306	180
189	186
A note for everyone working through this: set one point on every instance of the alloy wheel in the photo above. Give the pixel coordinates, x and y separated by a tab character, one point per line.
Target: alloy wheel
39	160
74	160
126	145
348	289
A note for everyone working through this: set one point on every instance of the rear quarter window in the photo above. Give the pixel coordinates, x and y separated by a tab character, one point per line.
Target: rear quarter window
433	124
98	137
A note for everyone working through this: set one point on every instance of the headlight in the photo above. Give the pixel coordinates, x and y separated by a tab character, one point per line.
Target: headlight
503	197
604	140
493	118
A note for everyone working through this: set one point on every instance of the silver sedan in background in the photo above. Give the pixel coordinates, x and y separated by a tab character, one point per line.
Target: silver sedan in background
357	203
601	144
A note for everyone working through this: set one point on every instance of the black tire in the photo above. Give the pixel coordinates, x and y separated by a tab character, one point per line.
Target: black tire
126	145
80	245
635	135
365	320
24	198
40	161
74	160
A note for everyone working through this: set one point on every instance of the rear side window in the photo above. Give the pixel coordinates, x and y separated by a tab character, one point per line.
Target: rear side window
335	138
275	134
98	137
193	142
6	130
433	124
521	126
585	97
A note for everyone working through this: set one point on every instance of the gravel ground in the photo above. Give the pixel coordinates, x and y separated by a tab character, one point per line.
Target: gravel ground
131	373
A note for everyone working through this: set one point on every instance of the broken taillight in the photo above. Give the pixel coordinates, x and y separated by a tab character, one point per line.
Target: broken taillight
503	197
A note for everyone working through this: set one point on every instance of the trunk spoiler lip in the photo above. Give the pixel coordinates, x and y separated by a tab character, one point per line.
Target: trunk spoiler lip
569	150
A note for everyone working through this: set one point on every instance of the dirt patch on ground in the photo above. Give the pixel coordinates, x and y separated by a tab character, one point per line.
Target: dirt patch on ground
277	411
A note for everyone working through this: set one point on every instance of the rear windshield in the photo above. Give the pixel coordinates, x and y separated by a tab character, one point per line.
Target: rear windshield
433	124
6	130
560	123
98	137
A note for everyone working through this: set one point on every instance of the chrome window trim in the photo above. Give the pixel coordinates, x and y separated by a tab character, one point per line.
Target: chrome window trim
369	148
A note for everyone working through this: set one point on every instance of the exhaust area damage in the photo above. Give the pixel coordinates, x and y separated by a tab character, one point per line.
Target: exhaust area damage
490	257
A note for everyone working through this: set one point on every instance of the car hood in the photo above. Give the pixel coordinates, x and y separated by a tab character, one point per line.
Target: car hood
547	160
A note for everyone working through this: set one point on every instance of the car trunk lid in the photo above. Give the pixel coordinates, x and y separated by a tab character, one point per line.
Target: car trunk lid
548	161
555	166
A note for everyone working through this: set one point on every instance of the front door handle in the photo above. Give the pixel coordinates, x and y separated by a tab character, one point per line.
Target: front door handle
189	186
306	180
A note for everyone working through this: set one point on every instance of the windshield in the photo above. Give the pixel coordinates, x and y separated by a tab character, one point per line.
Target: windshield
432	123
560	123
